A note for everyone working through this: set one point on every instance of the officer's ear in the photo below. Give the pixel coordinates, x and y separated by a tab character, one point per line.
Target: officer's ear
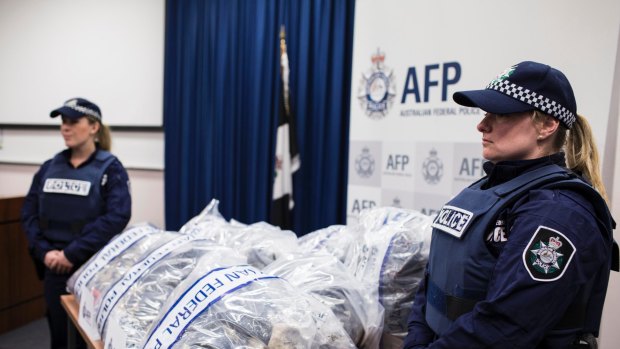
95	124
547	125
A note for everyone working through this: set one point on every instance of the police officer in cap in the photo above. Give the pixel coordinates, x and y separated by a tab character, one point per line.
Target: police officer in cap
521	258
77	202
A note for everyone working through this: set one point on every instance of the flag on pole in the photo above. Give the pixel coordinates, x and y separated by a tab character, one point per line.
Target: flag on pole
287	155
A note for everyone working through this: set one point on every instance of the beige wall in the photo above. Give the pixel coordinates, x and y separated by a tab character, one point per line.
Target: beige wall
610	336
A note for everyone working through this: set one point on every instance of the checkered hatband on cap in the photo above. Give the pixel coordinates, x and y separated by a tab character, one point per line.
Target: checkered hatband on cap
75	105
534	99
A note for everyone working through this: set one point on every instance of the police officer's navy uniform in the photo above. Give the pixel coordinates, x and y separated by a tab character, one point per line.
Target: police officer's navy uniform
521	259
76	210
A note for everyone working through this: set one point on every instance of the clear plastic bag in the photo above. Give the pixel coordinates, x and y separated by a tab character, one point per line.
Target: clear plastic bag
326	278
261	243
209	215
390	255
334	240
241	307
123	250
134	313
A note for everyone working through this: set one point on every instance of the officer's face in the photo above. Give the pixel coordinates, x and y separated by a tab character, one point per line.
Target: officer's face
509	137
78	132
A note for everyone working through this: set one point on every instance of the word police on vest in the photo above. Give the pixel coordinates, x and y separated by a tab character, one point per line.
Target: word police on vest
452	220
66	186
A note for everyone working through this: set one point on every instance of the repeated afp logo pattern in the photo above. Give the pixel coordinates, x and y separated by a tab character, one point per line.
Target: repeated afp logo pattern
412	175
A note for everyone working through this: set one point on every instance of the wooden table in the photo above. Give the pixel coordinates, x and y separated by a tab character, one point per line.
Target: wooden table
70	304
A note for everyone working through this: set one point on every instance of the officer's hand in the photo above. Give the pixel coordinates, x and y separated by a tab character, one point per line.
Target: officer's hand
51	259
64	265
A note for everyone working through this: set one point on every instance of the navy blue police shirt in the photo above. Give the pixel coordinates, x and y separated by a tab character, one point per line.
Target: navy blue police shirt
115	192
507	170
519	309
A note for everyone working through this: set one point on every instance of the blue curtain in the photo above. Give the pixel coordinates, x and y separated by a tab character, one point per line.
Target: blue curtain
221	88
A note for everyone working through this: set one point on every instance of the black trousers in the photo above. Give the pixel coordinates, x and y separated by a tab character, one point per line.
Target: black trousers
55	285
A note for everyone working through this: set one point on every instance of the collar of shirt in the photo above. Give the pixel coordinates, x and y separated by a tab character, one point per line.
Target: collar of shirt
506	170
67	154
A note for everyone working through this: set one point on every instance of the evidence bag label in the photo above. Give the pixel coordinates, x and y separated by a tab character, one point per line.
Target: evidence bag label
377	246
86	316
109	252
66	186
115	292
204	292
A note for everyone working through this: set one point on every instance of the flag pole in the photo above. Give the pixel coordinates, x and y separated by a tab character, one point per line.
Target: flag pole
283	53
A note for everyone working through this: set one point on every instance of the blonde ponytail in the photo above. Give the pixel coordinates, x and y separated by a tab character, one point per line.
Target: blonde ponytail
104	138
104	135
582	154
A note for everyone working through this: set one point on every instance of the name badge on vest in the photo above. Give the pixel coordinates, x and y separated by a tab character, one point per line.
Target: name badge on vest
66	186
453	220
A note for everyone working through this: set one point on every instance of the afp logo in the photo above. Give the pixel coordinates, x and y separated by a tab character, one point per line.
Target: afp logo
397	162
432	168
377	88
362	204
471	167
365	164
429	211
450	74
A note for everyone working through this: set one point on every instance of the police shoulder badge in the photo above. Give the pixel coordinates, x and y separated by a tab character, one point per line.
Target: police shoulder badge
548	254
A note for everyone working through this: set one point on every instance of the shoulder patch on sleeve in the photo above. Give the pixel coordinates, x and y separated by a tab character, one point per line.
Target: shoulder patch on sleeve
548	254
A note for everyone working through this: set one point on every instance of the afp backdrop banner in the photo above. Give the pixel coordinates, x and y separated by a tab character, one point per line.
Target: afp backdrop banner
411	146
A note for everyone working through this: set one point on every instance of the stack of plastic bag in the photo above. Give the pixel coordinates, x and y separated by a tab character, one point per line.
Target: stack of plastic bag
219	284
326	278
238	306
390	255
